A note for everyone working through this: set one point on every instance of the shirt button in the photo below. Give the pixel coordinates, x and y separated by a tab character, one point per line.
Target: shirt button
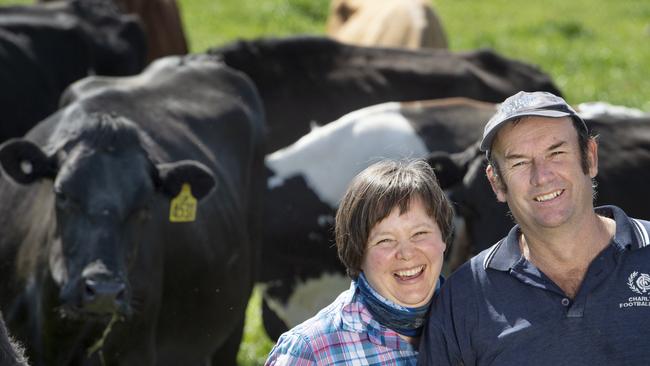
566	302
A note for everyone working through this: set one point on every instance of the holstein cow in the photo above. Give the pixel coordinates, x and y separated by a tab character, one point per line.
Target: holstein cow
301	270
46	47
623	173
135	211
386	23
313	80
11	353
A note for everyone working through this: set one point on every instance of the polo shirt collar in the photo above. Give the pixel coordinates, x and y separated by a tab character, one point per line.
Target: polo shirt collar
505	254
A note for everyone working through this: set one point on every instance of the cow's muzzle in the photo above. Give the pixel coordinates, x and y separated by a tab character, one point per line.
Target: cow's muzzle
97	292
104	297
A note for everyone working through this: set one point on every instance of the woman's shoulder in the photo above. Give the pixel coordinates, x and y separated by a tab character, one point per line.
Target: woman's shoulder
303	341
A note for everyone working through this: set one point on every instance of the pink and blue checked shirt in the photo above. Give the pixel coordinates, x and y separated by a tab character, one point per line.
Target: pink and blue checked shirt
343	333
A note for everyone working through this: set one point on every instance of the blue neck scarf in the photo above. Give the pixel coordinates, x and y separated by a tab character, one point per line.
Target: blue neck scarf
404	320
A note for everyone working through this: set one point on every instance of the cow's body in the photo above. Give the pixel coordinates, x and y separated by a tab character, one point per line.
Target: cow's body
310	80
103	243
307	179
162	24
46	47
623	173
386	23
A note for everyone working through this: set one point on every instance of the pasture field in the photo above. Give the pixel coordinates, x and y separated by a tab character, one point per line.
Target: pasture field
594	50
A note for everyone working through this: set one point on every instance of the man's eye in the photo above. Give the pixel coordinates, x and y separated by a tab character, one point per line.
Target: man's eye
518	164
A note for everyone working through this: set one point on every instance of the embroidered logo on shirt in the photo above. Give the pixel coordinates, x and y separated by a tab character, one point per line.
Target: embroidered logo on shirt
639	283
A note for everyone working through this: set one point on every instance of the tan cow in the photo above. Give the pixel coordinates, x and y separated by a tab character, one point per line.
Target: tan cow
386	23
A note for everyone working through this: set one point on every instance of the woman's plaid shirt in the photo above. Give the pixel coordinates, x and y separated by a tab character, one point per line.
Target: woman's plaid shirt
343	333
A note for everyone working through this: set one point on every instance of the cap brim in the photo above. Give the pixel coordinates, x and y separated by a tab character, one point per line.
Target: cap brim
486	143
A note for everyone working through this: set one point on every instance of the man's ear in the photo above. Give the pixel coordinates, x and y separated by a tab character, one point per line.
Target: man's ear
172	176
592	157
496	183
25	162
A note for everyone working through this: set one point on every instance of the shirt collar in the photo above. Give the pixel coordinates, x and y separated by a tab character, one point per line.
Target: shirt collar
506	253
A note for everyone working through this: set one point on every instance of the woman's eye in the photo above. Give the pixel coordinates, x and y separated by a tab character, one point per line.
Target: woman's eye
420	234
383	241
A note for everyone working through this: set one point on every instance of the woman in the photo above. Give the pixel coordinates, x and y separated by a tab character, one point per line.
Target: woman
391	229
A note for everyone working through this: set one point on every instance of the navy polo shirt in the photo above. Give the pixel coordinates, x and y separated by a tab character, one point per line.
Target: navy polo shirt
499	309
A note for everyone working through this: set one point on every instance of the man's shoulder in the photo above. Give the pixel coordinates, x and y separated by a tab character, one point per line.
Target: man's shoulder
479	263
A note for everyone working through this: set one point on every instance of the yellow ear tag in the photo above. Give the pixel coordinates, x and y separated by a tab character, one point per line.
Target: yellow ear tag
183	206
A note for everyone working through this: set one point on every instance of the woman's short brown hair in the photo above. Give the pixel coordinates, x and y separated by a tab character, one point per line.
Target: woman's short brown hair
374	193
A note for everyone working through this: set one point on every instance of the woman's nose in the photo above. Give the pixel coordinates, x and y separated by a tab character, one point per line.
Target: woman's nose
405	250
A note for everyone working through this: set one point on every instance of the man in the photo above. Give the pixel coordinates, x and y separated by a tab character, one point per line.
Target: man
569	284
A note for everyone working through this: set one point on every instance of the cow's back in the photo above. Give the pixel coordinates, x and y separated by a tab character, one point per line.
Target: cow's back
307	80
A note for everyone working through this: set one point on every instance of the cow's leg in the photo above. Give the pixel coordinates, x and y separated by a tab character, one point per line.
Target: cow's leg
227	353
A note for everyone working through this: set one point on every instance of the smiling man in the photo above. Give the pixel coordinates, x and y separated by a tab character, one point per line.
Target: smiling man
570	283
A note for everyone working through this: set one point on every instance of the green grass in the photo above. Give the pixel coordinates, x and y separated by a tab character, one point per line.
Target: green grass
594	50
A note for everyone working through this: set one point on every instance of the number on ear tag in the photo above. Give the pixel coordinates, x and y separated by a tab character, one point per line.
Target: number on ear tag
183	206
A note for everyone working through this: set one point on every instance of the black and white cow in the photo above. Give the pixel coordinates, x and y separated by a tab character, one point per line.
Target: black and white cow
46	47
623	174
301	270
11	353
137	205
314	80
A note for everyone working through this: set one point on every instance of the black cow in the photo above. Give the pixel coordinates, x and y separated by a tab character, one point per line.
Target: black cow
46	47
103	231
307	179
307	80
623	174
11	353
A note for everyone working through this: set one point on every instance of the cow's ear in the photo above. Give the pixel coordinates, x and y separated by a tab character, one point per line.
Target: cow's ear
451	168
448	172
172	176
25	162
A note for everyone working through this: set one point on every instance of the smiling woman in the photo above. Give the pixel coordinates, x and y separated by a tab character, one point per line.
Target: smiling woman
391	229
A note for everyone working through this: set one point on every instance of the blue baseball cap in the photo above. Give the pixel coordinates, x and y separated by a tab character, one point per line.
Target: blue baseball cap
522	104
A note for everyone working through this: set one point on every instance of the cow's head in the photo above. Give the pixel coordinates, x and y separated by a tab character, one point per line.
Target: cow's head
105	186
463	176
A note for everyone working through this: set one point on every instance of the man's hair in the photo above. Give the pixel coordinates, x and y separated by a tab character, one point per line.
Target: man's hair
374	193
583	145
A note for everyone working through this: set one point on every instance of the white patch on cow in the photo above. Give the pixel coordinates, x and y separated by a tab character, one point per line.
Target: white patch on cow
330	156
591	110
309	297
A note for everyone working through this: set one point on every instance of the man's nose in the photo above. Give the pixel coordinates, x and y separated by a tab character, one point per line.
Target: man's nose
541	172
